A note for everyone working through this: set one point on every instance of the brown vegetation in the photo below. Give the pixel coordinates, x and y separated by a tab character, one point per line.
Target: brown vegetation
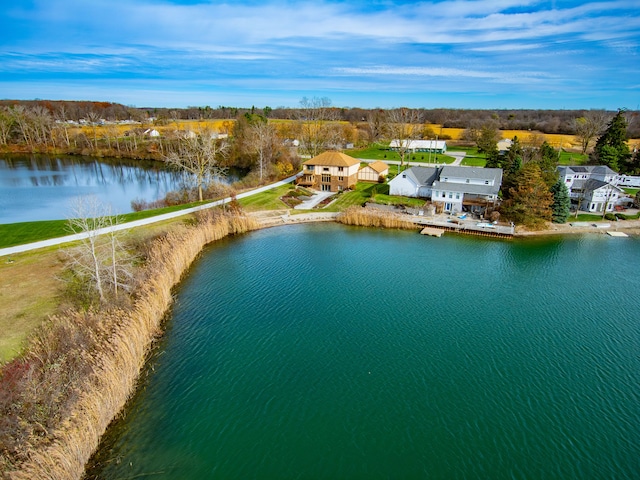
374	218
79	369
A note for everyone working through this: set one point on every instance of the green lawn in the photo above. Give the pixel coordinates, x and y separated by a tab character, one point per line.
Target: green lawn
572	158
631	191
381	152
269	200
12	234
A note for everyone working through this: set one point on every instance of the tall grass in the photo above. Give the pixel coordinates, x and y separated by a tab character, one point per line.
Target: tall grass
94	360
374	218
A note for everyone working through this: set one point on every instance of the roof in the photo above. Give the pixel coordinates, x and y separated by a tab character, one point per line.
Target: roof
379	166
413	144
332	158
594	184
422	176
592	169
472	172
469	188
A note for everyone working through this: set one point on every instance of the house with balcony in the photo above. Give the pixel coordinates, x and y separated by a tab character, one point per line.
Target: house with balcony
453	188
593	188
331	171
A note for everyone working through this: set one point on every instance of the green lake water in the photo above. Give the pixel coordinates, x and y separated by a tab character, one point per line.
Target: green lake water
332	352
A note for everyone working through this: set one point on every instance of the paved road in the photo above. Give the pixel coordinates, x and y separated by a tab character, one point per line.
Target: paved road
126	226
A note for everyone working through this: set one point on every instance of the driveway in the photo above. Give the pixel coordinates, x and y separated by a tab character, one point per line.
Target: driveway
313	201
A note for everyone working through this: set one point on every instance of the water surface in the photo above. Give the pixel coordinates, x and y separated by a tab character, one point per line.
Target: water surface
329	352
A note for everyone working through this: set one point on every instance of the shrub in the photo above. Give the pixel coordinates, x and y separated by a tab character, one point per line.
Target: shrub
611	217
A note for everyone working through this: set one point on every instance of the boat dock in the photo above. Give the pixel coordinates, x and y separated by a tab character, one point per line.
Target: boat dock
463	226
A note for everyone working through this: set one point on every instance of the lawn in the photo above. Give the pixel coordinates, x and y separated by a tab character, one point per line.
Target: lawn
631	191
572	158
379	151
12	234
269	200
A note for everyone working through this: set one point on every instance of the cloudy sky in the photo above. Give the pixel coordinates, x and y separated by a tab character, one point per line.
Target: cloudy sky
359	53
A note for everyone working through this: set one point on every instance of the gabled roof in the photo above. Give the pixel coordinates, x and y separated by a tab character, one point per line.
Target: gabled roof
332	158
422	176
593	184
591	169
379	166
454	171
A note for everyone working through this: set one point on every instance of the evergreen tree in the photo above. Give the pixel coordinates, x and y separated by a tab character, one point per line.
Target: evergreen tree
560	207
530	200
611	148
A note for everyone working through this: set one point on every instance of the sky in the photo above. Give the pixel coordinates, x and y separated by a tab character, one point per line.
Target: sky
493	54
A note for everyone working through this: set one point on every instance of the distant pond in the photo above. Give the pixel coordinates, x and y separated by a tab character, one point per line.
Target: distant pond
41	187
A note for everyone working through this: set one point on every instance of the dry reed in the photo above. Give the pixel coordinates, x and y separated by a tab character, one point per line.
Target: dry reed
117	351
374	218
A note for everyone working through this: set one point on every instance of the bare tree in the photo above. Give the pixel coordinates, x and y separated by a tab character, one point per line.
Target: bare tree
403	125
100	261
587	128
264	140
200	155
314	119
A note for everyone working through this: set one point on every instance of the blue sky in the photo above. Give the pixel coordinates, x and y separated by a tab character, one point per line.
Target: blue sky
377	53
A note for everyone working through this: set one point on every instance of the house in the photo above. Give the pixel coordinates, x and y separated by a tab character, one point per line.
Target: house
413	146
414	182
152	132
594	188
453	187
330	171
595	196
373	171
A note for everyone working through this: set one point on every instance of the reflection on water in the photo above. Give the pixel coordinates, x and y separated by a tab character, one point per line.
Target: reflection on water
40	187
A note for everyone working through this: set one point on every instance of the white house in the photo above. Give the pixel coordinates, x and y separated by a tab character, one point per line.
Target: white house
434	146
594	186
152	132
451	186
414	182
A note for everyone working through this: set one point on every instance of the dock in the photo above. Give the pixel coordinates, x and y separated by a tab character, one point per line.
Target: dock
433	232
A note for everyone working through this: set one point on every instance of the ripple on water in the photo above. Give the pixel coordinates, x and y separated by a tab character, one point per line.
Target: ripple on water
331	352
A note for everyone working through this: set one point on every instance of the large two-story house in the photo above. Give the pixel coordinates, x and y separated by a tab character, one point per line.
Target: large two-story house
454	187
593	188
330	171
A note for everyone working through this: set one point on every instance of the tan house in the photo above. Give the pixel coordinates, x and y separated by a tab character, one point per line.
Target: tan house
373	171
330	172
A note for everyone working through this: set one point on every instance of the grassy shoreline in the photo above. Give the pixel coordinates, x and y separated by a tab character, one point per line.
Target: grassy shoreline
112	345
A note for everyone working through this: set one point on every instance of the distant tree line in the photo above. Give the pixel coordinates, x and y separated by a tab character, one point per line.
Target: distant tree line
544	121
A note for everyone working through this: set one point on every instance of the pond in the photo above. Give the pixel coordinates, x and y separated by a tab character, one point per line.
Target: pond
41	187
325	352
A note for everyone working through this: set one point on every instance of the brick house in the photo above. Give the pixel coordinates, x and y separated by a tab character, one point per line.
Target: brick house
330	171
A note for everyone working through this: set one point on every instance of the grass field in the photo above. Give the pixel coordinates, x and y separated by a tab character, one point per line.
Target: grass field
12	234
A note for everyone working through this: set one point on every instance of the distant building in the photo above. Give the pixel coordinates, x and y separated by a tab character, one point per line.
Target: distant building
433	146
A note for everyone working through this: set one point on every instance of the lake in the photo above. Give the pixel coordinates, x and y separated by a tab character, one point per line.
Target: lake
41	187
325	351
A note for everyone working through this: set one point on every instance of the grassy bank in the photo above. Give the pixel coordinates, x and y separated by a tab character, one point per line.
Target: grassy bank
79	369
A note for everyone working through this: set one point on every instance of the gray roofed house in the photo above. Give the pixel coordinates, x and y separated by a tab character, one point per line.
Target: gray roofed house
593	188
454	187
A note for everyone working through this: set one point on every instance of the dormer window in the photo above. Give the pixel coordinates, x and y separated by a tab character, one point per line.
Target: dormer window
467	180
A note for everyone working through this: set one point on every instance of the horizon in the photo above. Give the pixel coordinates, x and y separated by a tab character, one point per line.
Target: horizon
470	54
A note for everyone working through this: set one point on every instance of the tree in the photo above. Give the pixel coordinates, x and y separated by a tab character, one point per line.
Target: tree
403	124
314	122
488	138
530	200
100	262
611	148
589	127
561	205
199	155
265	143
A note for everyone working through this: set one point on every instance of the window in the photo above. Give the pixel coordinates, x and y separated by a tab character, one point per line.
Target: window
325	169
340	169
326	178
467	180
486	182
458	196
444	194
340	179
450	195
404	175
